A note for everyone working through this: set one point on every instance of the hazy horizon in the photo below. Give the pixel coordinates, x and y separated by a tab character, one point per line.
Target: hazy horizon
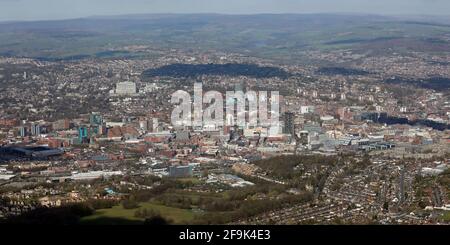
31	10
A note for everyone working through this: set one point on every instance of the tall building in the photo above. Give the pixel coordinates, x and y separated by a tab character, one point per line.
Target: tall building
155	125
95	119
289	127
35	129
143	124
23	131
83	134
304	137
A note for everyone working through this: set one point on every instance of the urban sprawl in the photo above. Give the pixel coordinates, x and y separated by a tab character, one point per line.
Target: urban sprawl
350	148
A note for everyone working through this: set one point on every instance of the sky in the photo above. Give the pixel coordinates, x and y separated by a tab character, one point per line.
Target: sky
13	10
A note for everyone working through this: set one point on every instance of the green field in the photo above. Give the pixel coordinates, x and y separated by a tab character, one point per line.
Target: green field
126	216
446	216
194	181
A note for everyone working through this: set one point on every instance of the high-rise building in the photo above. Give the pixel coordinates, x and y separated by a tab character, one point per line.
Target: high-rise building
35	129
289	127
143	124
83	134
155	125
102	130
304	137
23	131
95	119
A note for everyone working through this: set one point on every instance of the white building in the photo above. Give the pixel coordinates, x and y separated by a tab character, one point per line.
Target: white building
306	109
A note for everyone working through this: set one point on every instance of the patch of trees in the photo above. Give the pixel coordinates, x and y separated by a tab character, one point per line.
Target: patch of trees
156	220
435	83
151	217
219	213
130	203
283	167
65	215
101	203
177	201
230	69
342	71
166	184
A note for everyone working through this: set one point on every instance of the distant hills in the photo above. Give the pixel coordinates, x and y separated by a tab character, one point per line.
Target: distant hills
266	35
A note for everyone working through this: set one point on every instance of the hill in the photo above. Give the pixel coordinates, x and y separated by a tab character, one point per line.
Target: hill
267	35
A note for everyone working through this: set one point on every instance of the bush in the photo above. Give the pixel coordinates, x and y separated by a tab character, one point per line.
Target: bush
130	204
157	220
102	204
146	213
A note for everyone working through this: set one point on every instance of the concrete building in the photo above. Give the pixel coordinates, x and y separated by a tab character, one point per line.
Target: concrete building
180	171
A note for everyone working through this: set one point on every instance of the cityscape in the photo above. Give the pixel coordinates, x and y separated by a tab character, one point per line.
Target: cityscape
361	136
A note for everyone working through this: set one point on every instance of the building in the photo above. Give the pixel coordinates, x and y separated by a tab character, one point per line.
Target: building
143	124
155	125
182	136
35	129
304	138
180	171
94	175
8	122
61	124
312	128
307	109
36	152
289	127
83	135
95	119
23	131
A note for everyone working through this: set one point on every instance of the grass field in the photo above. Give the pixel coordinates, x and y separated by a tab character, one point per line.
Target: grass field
446	216
192	180
119	215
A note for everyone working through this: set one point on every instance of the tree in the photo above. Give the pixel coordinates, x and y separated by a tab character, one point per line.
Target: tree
386	206
157	220
130	203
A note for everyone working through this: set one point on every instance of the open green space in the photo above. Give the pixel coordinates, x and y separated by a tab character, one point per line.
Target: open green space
446	216
175	215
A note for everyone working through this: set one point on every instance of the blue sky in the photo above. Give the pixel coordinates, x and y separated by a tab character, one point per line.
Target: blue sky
64	9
